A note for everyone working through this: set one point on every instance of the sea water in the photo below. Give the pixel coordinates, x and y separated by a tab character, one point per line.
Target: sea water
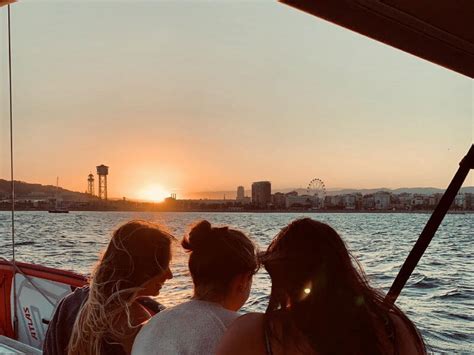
439	296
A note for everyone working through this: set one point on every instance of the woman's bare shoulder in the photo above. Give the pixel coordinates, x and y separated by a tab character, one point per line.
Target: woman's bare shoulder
408	339
244	336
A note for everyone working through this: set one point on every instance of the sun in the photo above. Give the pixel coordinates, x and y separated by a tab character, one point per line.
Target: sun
155	193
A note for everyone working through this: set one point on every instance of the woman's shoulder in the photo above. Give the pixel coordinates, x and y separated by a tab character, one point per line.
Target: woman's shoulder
408	339
78	293
244	336
72	302
170	317
249	322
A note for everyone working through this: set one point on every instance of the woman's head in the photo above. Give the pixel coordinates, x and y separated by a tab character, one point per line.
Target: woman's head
135	263
321	288
222	262
139	253
308	258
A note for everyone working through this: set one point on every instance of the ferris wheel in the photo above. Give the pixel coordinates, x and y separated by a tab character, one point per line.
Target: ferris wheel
317	188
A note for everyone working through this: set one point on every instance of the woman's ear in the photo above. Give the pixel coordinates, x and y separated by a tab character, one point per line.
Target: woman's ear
239	290
239	283
245	280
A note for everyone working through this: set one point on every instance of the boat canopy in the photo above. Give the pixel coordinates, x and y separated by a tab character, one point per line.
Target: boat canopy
440	31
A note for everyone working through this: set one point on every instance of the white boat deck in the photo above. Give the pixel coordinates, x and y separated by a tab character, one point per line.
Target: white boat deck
10	346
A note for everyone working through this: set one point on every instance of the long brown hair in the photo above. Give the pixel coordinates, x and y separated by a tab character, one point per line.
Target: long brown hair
217	254
137	252
321	294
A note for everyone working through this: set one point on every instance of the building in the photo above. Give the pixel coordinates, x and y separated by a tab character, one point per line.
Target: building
349	201
279	200
382	200
261	193
245	201
460	201
404	201
469	200
368	202
305	201
432	201
418	200
240	193
333	202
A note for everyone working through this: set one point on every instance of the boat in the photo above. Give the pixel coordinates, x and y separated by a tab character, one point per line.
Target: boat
28	296
443	35
57	206
58	211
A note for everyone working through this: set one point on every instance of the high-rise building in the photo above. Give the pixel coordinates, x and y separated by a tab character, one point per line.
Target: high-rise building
240	193
261	193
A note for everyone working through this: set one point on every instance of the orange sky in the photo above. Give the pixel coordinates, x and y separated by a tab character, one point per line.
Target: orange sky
186	96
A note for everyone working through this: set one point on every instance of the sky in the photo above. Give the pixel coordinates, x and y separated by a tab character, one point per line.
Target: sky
189	96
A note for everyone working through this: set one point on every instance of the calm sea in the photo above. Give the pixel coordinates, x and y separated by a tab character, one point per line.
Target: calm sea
439	296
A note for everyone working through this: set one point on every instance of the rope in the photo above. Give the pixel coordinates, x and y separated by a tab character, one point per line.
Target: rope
15	316
28	278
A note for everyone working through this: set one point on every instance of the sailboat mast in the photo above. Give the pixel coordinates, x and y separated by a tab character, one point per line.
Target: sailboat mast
56	203
15	316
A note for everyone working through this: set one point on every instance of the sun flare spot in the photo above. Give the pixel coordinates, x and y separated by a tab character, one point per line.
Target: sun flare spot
154	193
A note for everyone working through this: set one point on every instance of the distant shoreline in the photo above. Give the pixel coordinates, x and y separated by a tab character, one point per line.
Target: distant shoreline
247	211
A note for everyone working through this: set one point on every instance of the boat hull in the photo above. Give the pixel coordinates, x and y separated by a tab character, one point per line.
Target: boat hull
38	291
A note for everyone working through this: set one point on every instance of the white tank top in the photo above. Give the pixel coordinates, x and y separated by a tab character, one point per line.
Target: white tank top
194	327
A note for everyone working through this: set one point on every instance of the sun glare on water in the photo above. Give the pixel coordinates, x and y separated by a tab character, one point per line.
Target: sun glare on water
154	193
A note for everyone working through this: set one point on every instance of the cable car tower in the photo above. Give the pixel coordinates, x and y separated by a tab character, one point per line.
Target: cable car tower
102	171
90	185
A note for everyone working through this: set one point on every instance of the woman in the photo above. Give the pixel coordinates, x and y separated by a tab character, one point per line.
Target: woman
320	303
105	316
222	262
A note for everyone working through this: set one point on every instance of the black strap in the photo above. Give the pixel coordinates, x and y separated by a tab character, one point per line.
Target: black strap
268	344
151	305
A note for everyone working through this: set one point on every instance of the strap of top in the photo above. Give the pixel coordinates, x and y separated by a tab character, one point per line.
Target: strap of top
268	344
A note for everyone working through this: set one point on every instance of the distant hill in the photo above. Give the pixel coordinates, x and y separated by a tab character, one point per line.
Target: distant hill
411	190
230	195
25	190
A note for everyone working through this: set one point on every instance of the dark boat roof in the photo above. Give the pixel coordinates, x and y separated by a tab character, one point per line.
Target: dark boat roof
441	31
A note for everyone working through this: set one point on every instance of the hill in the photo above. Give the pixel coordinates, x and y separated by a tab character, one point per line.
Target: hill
24	190
413	190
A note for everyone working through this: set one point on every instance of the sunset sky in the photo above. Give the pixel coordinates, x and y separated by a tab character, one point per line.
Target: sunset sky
196	96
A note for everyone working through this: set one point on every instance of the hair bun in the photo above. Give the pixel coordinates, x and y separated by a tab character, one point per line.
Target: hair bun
198	236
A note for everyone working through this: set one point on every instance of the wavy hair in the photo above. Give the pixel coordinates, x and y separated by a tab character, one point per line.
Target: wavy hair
137	252
320	296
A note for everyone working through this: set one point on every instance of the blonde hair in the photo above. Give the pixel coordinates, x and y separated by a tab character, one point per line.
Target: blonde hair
137	252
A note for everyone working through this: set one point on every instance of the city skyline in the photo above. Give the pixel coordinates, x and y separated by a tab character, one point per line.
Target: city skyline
240	193
33	197
224	97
